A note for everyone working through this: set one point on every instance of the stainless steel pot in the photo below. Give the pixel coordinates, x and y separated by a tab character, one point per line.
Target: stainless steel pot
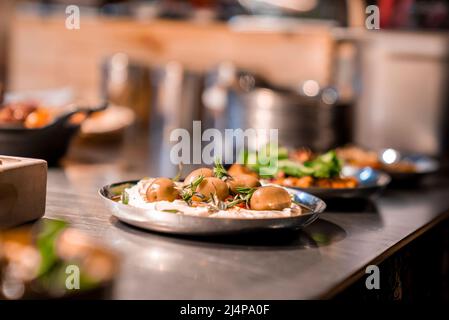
164	97
320	122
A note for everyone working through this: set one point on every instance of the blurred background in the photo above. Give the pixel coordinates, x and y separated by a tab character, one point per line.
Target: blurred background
310	68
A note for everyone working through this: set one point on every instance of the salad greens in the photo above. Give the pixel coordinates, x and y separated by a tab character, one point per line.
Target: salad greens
326	165
264	160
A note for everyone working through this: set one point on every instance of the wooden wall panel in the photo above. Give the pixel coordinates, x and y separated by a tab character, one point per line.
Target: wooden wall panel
46	54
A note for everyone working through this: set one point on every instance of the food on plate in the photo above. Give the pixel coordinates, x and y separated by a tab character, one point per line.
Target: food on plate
108	124
238	169
211	186
162	189
32	115
26	114
403	166
301	155
301	168
212	193
205	172
270	198
242	181
34	261
359	157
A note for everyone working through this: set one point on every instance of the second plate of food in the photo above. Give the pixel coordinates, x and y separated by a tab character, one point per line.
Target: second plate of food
210	203
401	166
322	175
365	183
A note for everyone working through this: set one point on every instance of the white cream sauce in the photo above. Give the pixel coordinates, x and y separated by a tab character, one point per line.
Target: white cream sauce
137	198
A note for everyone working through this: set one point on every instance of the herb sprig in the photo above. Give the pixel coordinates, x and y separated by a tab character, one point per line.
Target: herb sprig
188	191
178	175
219	171
243	195
216	204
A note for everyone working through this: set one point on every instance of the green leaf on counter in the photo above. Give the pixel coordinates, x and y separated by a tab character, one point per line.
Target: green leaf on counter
49	230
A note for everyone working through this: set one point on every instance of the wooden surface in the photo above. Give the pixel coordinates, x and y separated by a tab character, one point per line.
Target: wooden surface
316	263
44	54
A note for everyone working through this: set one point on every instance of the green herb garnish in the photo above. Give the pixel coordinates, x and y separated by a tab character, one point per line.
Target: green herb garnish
171	210
237	200
125	197
188	191
219	171
243	195
216	204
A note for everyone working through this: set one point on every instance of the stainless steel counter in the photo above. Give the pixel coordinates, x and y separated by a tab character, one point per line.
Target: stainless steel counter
316	263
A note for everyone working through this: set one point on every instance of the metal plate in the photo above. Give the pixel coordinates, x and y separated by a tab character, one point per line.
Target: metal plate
424	166
371	182
191	225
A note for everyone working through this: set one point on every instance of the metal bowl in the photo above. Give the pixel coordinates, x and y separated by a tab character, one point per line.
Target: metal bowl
371	182
191	225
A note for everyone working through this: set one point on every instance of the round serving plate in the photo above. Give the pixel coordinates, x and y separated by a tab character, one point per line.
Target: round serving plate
174	223
371	182
424	165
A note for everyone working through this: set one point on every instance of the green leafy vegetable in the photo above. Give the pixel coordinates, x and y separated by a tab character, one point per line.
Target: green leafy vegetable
264	159
46	243
294	169
325	166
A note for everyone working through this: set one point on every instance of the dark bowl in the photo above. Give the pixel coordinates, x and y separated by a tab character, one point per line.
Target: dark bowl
49	143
